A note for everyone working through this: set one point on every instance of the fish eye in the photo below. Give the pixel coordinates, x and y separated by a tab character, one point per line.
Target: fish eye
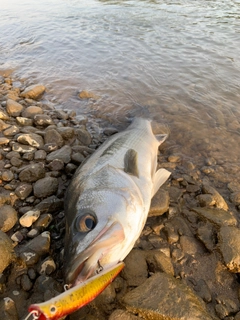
86	223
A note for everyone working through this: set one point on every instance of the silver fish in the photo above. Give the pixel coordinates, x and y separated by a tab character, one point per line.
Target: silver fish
108	200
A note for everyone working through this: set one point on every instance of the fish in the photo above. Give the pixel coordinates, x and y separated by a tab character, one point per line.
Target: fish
108	200
76	297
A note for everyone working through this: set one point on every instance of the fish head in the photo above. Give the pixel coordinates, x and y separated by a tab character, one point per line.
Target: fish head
100	234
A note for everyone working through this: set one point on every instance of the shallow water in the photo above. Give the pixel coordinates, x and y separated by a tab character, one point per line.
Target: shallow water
176	62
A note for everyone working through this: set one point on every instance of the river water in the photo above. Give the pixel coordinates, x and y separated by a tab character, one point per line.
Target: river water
176	62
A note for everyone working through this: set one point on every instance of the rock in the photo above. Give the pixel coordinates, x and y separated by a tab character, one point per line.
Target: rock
8	309
29	257
163	297
7	175
52	136
24	121
42	120
174	158
56	165
219	201
205	233
216	216
230	306
158	261
22	148
47	266
45	187
16	162
32	172
110	131
17	236
43	221
40	155
87	95
229	246
66	132
40	244
122	315
77	158
206	200
6	251
29	217
32	139
50	204
33	92
63	154
106	299
3	115
8	217
203	291
160	203
11	131
3	125
235	198
135	271
31	112
84	136
23	190
28	155
26	283
234	186
190	245
4	140
14	108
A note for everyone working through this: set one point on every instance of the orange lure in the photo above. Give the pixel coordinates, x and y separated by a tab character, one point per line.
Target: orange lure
76	297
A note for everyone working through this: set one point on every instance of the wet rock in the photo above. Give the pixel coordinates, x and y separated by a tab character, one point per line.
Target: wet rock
160	296
235	198
63	154
87	95
24	121
122	315
4	140
31	139
135	271
205	233
8	217
43	221
47	266
175	193
7	175
50	204
45	187
216	216
219	201
29	257
84	136
66	132
174	158
17	236
11	131
42	120
23	190
190	245
14	108
26	283
40	155
31	112
40	244
29	217
22	148
6	251
77	158
52	136
160	203
234	186
229	245
206	200
203	291
33	92
158	261
32	173
8	309
56	165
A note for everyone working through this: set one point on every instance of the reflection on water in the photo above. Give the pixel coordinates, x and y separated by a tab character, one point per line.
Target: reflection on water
174	61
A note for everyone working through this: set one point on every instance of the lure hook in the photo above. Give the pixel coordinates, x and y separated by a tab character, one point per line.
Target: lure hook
34	314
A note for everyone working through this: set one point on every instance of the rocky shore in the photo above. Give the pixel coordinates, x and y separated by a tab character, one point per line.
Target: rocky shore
184	266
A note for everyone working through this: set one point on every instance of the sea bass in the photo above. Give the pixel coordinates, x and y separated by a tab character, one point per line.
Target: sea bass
108	200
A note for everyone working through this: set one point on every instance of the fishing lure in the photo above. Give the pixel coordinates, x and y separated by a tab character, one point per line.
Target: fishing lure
75	297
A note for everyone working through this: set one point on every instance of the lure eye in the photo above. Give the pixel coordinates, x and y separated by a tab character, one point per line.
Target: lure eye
53	309
86	223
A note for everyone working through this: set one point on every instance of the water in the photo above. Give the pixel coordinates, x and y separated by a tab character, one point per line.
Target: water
176	62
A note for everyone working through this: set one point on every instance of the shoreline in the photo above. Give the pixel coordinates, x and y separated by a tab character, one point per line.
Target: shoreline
188	253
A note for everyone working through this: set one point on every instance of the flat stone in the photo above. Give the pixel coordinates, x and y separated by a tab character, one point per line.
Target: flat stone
6	251
84	136
159	261
45	187
219	201
32	173
160	296
29	218
216	216
43	120
160	203
8	217
31	112
32	139
33	92
206	235
53	136
22	148
14	108
11	131
22	121
229	245
63	154
40	244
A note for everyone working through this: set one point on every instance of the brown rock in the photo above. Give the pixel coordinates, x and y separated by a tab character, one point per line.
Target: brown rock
6	251
33	92
31	111
160	203
32	139
8	217
45	187
32	173
87	95
13	108
52	136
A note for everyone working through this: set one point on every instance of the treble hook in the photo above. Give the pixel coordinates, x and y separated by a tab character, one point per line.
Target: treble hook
33	313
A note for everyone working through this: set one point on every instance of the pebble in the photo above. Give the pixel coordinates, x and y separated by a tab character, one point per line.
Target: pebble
29	257
22	148
16	162
56	165
23	190
24	121
31	139
47	266
84	136
7	175
45	187
11	131
235	198
159	261
40	245
66	132
40	155
32	172
84	94
3	115
63	154
3	125
77	158
4	140
14	108
219	201
33	92
43	221
42	120
6	251
8	217
26	283
53	136
29	217
31	112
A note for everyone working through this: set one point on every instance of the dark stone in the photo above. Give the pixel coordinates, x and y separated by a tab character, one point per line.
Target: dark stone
45	187
32	173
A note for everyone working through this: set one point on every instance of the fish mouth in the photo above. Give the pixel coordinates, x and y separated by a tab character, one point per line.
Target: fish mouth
97	256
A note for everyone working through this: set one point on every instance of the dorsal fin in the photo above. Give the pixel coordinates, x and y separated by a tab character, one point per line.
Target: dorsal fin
131	162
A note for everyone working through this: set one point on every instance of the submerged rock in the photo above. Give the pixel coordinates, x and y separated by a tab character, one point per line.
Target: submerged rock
33	92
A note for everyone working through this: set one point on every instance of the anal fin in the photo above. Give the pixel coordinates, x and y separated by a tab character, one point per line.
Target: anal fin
131	162
159	178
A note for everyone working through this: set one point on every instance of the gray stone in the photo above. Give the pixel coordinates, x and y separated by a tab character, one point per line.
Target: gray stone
160	203
66	132
216	216
234	186
229	245
84	136
16	162
52	136
24	121
13	108
31	112
31	139
40	155
49	147
32	173
219	201
33	92
206	235
45	187
17	236
23	190
26	283
22	148
28	156
42	120
11	154
206	200
11	131
63	154
29	217
6	251
40	244
203	291
190	245
160	296
8	217
29	257
56	165
77	158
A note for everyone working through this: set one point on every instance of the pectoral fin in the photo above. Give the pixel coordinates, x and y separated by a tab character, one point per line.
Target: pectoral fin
161	137
160	177
131	162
